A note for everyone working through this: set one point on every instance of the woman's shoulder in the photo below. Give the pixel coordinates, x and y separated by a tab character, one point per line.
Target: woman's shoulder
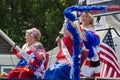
24	46
92	26
38	45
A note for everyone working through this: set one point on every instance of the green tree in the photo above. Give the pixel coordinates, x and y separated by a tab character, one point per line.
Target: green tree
47	15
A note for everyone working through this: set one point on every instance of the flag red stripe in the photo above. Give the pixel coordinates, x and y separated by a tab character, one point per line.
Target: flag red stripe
112	73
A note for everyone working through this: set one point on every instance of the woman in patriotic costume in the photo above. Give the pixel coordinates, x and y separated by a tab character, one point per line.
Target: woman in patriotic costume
67	65
32	57
92	66
89	38
60	70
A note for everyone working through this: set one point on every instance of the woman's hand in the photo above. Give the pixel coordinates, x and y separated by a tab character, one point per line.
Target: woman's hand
40	55
14	50
33	62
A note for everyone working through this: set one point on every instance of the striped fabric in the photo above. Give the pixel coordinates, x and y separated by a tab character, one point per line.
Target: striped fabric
110	66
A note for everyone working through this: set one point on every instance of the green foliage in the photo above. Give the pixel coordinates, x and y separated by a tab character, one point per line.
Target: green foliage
47	15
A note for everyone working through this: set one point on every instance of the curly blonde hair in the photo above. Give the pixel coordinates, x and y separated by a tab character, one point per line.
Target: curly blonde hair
35	32
91	19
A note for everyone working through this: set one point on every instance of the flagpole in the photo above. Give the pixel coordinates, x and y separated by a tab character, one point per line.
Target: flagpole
8	39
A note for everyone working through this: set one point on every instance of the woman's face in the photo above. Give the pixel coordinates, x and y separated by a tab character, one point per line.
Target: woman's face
85	19
29	38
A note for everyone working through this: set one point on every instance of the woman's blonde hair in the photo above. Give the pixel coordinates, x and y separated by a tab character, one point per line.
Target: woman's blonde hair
35	32
91	17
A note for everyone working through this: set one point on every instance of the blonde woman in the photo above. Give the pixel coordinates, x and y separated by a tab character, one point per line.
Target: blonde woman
91	41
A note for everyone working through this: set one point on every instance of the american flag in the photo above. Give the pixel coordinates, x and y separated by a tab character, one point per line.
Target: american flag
110	67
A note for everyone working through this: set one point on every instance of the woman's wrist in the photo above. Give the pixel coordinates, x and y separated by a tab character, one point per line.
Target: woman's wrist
14	51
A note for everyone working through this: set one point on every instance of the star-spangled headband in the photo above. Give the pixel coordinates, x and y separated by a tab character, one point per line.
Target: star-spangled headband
68	11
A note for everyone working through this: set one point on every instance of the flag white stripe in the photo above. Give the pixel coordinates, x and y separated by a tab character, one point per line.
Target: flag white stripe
103	68
107	59
115	75
109	72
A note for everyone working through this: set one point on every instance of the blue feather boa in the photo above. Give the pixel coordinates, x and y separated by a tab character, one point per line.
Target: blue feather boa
76	51
72	17
92	41
76	39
